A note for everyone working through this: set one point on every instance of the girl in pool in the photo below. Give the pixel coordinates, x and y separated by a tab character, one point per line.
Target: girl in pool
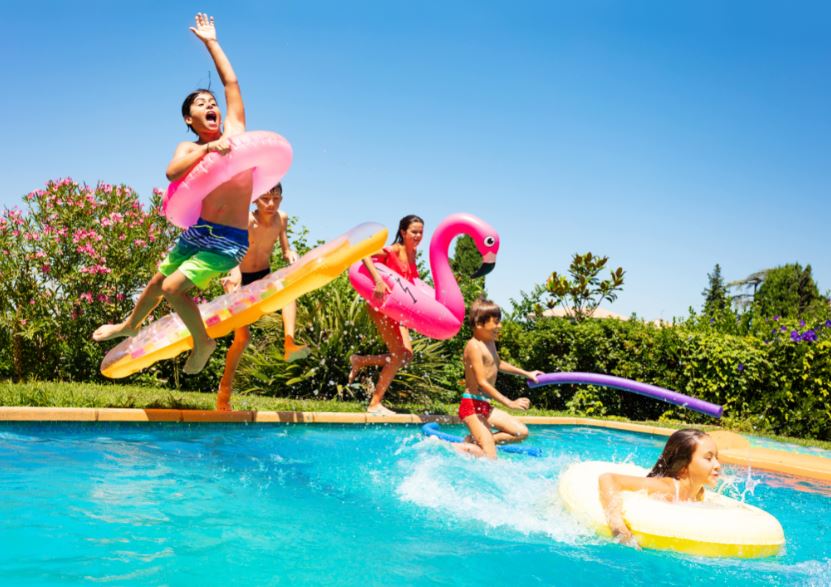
688	463
401	258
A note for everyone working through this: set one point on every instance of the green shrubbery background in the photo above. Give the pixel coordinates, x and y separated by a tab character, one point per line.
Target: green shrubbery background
76	256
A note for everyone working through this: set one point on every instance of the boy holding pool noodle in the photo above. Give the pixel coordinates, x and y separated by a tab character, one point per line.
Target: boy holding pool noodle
219	239
482	363
266	225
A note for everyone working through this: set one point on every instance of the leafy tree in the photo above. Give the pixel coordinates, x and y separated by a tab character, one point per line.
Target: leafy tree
789	291
582	294
716	301
744	298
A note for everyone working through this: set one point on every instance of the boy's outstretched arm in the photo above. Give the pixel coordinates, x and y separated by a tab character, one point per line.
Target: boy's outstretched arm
506	367
206	31
475	363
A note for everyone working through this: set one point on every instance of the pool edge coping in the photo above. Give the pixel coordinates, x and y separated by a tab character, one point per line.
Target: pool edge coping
734	449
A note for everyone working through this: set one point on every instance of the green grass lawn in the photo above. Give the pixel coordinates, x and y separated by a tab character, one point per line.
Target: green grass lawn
93	395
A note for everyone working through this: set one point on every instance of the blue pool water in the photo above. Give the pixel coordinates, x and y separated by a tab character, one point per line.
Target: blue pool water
174	504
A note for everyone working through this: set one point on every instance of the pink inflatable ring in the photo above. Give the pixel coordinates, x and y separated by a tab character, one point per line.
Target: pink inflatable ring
266	153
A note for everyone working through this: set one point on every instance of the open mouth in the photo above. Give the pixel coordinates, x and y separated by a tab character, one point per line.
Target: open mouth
211	116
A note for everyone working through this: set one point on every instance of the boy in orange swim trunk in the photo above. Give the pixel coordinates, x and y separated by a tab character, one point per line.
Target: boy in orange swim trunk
482	363
266	226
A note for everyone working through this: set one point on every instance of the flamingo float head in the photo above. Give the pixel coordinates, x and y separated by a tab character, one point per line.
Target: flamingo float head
487	241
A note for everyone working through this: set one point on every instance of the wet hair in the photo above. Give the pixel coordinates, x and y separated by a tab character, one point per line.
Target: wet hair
403	225
677	453
482	310
189	102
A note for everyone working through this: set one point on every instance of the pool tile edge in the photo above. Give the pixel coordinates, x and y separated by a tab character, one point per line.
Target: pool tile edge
731	445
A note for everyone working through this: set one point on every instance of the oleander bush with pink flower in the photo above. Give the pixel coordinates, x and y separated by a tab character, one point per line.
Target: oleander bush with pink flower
72	258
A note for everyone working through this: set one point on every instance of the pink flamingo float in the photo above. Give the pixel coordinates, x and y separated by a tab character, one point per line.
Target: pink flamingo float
435	313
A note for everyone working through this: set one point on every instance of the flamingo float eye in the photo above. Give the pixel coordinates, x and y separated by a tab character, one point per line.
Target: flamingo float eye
489	241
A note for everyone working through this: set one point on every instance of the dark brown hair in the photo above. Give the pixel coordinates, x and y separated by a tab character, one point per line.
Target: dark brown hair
189	102
677	453
403	225
482	310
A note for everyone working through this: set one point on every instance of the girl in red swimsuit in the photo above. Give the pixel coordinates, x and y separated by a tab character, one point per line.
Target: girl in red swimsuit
401	258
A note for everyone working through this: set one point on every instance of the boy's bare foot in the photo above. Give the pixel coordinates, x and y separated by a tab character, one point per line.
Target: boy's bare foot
353	372
380	410
199	357
223	399
110	331
294	351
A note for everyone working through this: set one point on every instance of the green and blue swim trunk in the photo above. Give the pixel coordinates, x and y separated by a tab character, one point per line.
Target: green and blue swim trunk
206	250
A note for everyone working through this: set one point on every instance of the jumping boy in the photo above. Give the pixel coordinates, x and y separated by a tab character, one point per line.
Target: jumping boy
219	239
266	225
482	363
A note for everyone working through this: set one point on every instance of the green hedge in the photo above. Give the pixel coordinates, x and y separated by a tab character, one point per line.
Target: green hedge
776	386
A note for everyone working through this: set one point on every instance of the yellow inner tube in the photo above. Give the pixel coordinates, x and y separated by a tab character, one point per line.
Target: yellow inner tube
718	526
167	337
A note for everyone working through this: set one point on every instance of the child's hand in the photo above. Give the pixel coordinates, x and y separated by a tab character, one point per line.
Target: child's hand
533	375
292	257
221	146
623	535
522	403
204	29
380	289
230	283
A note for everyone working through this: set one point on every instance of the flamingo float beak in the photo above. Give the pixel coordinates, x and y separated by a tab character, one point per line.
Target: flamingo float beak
488	263
483	270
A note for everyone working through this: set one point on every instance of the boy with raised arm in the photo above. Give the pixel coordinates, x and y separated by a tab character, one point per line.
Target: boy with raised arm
266	226
482	363
219	239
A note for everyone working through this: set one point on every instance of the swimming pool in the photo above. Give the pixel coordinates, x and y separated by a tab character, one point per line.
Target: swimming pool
179	504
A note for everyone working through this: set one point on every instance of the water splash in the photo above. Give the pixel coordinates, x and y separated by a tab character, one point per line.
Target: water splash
516	494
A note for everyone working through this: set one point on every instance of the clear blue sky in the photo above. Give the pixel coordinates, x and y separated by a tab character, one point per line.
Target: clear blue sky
668	136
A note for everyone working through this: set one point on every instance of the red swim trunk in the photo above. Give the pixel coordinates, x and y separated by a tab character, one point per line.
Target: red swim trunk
469	406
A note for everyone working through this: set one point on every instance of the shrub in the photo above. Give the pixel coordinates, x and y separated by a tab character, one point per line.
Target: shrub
71	261
334	322
780	385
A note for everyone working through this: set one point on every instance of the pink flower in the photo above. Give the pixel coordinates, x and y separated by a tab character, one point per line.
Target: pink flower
86	297
46	268
23	322
31	302
119	297
139	242
87	248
